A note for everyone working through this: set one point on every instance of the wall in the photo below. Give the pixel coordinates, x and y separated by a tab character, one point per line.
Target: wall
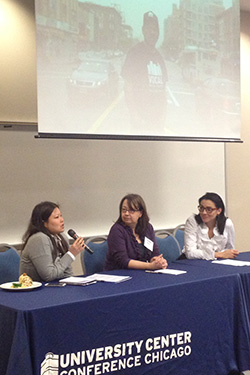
88	179
17	62
238	155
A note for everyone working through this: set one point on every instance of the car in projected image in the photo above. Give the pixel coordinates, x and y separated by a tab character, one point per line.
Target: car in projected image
218	99
94	77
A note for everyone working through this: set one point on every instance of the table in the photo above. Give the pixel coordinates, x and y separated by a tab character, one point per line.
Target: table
195	323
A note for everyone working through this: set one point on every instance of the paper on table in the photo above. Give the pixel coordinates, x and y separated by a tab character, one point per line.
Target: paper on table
110	278
232	262
77	280
168	271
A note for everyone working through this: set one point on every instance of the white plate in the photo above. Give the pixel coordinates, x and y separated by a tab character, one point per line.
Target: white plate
7	286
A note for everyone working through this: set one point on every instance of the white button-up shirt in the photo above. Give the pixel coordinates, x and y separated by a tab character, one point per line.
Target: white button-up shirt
198	245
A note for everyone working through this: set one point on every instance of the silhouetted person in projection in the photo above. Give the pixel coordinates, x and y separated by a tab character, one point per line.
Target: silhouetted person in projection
145	77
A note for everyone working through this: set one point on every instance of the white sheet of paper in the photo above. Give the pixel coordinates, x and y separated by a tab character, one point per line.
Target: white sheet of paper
78	280
232	262
109	278
170	272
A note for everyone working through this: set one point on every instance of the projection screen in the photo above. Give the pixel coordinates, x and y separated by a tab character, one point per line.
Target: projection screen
139	69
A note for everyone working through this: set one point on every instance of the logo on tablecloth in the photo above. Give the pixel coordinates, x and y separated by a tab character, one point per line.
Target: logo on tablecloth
121	356
50	365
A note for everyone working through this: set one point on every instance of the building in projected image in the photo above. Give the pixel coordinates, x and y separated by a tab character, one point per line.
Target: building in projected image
204	38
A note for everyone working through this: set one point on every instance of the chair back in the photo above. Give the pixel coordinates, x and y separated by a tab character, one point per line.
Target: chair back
168	245
9	263
93	263
179	235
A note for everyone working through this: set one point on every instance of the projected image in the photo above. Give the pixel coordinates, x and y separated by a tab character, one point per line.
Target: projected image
139	68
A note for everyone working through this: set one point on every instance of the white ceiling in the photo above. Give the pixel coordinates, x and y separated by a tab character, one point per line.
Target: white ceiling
245	5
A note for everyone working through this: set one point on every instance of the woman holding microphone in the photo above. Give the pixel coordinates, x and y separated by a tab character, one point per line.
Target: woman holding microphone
46	253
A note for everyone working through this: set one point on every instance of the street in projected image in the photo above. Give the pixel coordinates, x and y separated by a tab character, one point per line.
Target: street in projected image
94	76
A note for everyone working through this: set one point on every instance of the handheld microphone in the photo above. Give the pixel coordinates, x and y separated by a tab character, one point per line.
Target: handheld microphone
73	234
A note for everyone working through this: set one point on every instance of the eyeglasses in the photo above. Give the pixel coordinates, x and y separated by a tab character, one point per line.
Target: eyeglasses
208	210
124	210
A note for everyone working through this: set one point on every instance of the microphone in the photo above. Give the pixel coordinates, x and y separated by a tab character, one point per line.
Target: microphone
73	234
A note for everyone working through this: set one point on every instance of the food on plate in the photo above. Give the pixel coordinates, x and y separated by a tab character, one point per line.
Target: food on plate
24	282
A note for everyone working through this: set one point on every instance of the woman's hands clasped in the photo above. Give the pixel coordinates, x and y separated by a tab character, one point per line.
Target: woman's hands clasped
77	246
158	262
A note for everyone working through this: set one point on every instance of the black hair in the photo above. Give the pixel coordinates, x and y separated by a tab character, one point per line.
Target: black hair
39	216
221	218
135	202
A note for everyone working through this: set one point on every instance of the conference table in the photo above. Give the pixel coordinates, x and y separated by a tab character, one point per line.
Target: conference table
195	323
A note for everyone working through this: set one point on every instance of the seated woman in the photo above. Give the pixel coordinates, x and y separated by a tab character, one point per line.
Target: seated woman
131	240
210	234
46	253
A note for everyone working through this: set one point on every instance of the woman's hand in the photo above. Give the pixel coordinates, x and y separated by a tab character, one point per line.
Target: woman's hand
77	247
227	254
158	262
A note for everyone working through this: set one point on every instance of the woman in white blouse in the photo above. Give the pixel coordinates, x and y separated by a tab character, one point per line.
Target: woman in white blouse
210	234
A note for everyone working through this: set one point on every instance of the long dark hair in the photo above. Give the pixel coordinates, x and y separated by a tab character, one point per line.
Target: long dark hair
135	202
221	218
40	215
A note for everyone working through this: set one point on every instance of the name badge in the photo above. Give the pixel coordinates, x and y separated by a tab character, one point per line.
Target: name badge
148	244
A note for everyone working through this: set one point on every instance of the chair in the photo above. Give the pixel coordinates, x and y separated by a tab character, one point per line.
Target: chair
93	263
9	263
168	245
179	234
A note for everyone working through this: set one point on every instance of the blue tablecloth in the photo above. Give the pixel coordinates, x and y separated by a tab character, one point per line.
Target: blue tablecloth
195	323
